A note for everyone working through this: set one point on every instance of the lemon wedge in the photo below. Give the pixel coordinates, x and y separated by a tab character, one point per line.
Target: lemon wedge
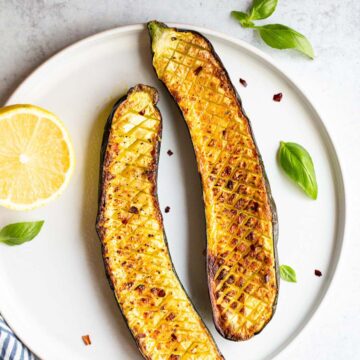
36	157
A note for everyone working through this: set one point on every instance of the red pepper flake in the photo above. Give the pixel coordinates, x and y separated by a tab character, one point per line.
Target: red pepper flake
140	288
243	82
134	210
170	153
277	97
167	209
170	317
142	112
129	284
86	340
318	273
197	70
158	292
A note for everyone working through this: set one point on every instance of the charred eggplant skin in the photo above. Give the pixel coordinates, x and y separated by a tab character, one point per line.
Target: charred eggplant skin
138	265
242	263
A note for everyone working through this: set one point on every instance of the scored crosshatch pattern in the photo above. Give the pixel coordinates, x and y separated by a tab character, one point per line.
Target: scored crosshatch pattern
241	259
157	310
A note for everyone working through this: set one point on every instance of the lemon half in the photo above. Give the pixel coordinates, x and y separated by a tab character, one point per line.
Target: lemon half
36	157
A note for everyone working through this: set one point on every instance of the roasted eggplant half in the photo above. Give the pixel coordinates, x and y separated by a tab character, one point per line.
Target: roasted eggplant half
241	218
156	308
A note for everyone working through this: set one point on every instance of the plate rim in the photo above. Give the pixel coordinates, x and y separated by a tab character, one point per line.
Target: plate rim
341	198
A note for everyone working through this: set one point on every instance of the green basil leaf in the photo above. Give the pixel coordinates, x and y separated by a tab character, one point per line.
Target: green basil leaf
297	163
287	273
282	37
242	18
262	9
18	233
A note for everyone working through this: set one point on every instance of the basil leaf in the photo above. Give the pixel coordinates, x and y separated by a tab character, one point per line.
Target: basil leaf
262	9
18	233
242	18
287	273
282	37
298	165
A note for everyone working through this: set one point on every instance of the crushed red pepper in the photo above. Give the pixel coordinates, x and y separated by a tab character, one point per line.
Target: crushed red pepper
158	292
86	340
277	97
243	82
167	209
169	152
170	317
140	287
318	273
134	210
197	70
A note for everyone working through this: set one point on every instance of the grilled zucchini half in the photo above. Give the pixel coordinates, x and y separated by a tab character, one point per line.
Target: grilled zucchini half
240	213
156	308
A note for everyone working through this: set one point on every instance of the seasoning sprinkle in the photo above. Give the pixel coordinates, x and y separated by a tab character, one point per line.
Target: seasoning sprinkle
318	273
86	340
197	70
277	97
134	210
243	82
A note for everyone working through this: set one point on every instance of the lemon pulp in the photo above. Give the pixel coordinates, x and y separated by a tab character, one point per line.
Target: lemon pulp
36	157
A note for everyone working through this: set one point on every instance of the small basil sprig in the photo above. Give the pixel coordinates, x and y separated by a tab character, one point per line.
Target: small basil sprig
298	165
287	273
243	19
18	233
275	35
262	9
282	37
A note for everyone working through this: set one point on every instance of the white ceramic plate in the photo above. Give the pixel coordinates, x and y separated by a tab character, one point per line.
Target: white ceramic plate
53	289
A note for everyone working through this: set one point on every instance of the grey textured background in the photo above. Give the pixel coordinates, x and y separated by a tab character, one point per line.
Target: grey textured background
33	30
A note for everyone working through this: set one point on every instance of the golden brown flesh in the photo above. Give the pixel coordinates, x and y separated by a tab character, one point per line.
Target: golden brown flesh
240	214
151	298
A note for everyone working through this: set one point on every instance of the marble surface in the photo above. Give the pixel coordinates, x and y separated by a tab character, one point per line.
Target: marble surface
31	31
